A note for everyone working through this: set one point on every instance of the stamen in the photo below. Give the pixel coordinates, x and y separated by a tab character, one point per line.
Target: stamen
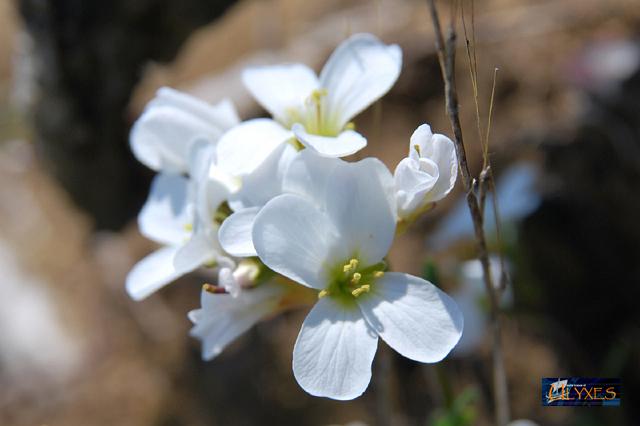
350	126
316	99
210	264
188	227
378	274
323	293
223	211
213	289
295	143
355	279
362	289
351	266
318	94
417	148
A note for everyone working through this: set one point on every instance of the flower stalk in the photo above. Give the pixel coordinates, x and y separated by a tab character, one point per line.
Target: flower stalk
446	51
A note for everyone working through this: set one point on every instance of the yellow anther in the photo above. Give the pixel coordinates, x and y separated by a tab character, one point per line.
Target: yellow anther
188	227
210	264
378	274
213	289
350	126
295	143
351	266
355	279
362	289
323	293
417	148
318	94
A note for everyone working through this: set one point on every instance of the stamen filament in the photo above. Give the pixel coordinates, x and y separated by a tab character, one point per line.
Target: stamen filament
362	289
316	98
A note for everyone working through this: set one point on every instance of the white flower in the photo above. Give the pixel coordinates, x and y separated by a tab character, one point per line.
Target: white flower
428	174
337	245
315	110
223	318
243	276
259	151
303	173
471	296
180	214
164	134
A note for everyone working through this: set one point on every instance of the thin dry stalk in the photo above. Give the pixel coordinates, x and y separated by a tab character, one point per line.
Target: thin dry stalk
446	55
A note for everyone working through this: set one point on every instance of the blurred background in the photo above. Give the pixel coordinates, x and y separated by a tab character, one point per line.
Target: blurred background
565	149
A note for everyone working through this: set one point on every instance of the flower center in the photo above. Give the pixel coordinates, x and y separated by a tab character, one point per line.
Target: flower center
350	280
315	116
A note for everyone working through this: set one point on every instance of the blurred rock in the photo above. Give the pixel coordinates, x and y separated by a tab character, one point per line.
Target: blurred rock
86	58
36	348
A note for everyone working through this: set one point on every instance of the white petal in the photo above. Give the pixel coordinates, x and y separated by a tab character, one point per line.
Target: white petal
245	147
227	281
413	316
222	115
280	88
333	353
201	156
209	193
361	204
165	215
209	187
224	318
265	182
414	180
360	71
346	143
235	233
200	249
443	153
308	174
421	138
162	136
151	273
295	239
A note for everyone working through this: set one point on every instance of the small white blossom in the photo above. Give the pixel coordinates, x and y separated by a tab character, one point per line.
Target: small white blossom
337	245
272	205
428	174
223	318
314	110
172	122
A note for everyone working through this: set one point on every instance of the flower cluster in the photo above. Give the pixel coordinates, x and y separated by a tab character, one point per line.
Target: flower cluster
269	206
